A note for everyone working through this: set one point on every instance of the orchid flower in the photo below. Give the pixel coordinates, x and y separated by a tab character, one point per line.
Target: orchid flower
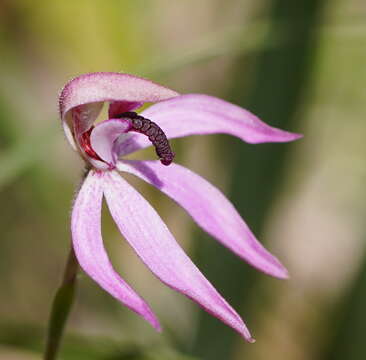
103	146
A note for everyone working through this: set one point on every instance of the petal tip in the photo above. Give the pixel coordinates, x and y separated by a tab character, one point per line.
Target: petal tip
279	136
250	340
284	275
280	272
295	136
151	318
244	332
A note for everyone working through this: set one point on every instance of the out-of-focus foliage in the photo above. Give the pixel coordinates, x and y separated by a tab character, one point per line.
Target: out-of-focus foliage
298	65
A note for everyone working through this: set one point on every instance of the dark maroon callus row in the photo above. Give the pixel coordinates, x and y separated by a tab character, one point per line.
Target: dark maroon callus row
154	133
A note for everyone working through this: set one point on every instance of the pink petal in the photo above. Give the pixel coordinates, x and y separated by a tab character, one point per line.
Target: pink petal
104	135
119	107
80	119
148	235
196	114
209	208
79	94
90	252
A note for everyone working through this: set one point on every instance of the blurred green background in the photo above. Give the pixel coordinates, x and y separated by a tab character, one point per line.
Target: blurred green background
299	65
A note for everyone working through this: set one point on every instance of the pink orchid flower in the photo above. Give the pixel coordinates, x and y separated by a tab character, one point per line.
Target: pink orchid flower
103	145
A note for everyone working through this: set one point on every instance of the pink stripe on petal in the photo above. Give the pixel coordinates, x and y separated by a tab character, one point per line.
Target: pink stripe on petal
209	208
197	114
90	252
148	235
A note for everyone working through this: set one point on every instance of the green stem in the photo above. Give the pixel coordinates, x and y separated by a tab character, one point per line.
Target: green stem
61	307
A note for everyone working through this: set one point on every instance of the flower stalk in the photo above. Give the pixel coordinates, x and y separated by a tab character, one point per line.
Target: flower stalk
61	307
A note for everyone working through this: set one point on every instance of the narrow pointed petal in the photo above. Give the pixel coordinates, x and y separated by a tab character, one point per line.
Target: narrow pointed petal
197	114
209	208
90	252
122	90
148	235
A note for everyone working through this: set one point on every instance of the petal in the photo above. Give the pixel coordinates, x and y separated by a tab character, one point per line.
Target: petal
209	208
197	114
148	235
119	107
80	119
104	135
80	93
90	252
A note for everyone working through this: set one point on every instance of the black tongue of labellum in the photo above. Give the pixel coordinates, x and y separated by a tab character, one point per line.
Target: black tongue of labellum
153	132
